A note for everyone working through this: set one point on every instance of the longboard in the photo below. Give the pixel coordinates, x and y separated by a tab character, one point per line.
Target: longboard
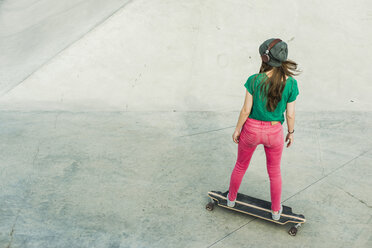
258	208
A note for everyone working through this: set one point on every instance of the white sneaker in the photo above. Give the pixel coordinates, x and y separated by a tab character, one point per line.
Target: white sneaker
277	216
230	203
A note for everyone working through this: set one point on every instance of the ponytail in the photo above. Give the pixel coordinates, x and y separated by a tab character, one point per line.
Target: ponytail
272	88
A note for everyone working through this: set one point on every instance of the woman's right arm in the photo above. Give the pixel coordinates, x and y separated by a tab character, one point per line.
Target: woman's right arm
290	117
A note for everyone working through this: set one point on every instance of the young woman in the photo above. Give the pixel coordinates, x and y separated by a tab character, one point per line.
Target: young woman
269	94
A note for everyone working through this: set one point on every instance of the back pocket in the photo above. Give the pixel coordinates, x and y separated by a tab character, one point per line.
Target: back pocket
248	137
276	138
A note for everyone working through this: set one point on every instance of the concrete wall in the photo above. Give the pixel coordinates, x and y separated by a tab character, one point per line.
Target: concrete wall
32	32
165	55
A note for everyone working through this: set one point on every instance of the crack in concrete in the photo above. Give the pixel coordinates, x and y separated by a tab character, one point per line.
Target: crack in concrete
36	154
214	130
12	230
350	194
361	201
333	171
319	148
231	233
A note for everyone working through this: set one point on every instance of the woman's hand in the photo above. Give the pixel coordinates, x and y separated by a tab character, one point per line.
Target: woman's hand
236	136
290	138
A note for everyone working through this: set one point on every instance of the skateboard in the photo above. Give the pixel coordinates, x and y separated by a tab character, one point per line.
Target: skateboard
258	208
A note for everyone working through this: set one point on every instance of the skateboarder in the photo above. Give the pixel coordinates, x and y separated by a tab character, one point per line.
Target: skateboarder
269	94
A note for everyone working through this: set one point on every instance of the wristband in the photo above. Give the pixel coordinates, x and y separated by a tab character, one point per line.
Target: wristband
291	132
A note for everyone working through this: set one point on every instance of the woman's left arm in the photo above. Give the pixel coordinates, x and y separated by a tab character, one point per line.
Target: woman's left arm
244	113
246	110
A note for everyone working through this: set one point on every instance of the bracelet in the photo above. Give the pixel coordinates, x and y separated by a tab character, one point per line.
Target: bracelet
291	132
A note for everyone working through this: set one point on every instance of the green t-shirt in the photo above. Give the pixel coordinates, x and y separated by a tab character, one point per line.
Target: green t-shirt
259	111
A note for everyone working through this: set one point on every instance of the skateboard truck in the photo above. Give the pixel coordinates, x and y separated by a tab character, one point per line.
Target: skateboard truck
293	230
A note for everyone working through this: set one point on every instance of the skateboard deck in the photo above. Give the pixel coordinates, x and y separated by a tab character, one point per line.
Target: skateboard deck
258	208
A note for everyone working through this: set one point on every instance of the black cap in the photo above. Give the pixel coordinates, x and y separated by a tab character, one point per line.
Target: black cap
278	53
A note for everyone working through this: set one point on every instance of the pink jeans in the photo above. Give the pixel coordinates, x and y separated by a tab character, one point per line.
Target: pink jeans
253	133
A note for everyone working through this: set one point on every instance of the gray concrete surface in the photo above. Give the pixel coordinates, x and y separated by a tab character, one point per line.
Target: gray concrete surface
32	32
129	179
116	120
195	55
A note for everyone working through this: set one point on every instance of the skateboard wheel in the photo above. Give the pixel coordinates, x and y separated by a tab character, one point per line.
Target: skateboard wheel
292	231
210	206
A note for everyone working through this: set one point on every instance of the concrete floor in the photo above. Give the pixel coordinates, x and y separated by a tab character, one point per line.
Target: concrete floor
140	179
116	119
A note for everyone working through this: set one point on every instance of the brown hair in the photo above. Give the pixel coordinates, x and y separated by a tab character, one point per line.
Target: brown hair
273	87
